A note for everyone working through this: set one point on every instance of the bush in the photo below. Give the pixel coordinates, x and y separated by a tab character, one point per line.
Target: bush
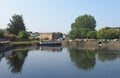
23	35
1	33
108	34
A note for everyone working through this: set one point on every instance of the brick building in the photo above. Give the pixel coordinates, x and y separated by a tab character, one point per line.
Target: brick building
51	35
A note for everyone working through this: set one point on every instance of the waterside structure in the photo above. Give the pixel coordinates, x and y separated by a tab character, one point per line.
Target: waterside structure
50	43
5	45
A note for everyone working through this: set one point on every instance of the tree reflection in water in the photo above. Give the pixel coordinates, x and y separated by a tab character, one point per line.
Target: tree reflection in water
108	55
83	59
16	60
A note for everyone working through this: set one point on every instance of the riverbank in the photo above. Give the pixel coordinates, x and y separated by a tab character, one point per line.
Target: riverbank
81	44
10	45
92	44
25	43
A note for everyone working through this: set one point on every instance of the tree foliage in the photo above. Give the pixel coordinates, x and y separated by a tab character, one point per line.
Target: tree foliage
92	34
78	33
85	21
23	35
108	33
81	26
1	33
16	24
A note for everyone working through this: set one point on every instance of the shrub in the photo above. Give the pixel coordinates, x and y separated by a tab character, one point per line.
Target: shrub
23	35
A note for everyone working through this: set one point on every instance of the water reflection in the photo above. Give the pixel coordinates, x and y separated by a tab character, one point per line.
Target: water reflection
16	60
51	48
108	55
83	59
16	57
5	54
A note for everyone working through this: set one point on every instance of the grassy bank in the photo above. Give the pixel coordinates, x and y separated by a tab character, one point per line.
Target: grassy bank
24	43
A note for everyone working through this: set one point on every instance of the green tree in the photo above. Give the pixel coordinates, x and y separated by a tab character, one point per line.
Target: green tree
81	26
1	33
85	21
73	34
16	24
108	33
23	35
92	34
78	33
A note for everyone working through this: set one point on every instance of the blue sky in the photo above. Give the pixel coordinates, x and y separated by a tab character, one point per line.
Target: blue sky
57	15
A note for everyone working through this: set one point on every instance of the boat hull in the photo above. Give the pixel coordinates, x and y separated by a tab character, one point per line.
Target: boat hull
50	44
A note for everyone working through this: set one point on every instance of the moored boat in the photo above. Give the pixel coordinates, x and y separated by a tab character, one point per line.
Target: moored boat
50	43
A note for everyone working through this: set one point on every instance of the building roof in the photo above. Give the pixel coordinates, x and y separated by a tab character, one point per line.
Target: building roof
116	27
49	32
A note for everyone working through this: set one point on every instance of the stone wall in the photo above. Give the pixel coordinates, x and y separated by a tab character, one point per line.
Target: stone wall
92	44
